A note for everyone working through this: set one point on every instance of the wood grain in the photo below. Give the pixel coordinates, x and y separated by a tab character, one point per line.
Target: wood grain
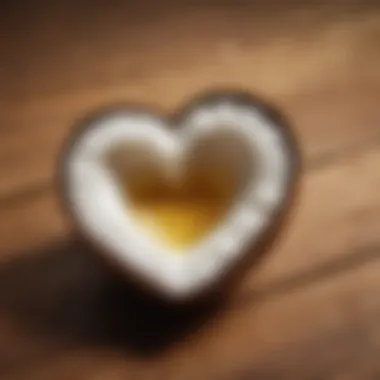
326	330
311	309
323	74
338	216
31	222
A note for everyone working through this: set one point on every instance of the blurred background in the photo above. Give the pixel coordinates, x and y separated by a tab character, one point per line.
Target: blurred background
311	310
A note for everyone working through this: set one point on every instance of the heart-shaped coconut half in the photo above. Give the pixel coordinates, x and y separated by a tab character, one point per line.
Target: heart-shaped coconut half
179	203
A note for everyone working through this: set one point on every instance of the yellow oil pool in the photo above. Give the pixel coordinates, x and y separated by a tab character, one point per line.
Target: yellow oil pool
180	217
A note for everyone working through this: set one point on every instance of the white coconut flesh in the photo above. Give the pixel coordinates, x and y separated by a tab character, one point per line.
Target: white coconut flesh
178	206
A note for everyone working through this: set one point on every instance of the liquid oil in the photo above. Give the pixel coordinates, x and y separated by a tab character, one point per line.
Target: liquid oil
180	215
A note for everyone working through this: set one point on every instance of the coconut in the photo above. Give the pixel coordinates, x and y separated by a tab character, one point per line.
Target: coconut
181	203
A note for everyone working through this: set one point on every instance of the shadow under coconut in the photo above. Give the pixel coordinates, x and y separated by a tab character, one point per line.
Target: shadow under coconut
64	292
67	294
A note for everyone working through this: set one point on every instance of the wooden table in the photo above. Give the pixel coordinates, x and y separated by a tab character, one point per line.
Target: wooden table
311	310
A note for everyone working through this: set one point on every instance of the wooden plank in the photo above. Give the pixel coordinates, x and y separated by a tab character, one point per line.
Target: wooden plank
50	52
326	330
338	214
322	73
29	223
